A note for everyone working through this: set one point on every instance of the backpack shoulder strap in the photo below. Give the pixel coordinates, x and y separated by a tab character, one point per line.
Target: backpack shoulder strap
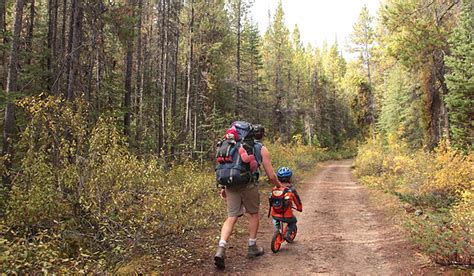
258	151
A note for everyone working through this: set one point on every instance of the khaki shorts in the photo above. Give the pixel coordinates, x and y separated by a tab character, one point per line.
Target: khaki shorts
242	197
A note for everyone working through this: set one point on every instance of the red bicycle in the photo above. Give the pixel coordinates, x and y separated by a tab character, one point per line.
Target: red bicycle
278	237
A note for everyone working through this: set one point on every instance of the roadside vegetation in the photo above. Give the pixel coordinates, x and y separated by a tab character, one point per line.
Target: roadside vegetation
435	187
83	202
421	149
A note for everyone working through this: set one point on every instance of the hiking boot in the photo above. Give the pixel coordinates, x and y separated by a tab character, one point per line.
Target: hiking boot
219	257
255	251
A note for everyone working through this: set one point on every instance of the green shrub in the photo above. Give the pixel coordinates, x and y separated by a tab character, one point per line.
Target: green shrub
447	236
81	202
439	182
370	159
300	158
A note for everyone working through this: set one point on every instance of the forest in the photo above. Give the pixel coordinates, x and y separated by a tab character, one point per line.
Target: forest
112	110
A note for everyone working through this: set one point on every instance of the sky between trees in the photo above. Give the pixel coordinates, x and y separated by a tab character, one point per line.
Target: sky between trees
317	20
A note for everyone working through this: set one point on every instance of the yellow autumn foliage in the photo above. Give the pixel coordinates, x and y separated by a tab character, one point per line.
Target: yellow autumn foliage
81	202
430	181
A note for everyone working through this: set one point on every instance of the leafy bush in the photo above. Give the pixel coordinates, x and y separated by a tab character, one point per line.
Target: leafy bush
453	172
370	159
447	237
439	182
301	158
82	202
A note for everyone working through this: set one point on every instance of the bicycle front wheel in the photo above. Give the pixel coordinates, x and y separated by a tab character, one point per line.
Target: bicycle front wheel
276	241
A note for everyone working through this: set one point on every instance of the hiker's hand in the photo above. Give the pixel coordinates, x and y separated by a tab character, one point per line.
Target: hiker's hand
280	185
222	194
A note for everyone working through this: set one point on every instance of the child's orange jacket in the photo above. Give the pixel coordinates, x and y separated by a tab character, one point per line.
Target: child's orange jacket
292	198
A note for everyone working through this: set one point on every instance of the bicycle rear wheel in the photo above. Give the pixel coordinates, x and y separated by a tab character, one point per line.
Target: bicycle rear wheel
293	233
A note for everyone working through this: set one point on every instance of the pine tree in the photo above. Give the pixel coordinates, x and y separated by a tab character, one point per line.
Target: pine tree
251	78
12	86
362	39
276	64
460	80
419	42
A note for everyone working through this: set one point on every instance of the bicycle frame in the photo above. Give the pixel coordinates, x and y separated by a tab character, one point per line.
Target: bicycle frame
278	237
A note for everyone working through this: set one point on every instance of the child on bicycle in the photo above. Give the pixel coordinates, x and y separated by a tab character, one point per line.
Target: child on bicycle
282	200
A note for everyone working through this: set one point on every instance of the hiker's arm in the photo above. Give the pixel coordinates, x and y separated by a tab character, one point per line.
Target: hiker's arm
267	166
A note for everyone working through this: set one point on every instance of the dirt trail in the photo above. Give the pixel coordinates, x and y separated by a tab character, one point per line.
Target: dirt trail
340	232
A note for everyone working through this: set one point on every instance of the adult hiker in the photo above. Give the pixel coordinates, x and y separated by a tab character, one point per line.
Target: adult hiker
243	197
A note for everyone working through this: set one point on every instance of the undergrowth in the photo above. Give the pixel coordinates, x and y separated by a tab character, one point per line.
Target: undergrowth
81	202
439	184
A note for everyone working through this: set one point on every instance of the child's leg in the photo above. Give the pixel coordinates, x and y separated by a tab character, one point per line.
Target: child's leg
276	224
291	227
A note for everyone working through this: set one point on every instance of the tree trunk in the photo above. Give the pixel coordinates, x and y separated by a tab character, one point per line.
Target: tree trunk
434	103
238	99
99	44
440	72
174	94
371	112
128	79
3	38
175	77
29	35
143	80
51	43
174	11
12	86
62	67
139	77
75	48
128	89
187	121
164	75
2	19
371	94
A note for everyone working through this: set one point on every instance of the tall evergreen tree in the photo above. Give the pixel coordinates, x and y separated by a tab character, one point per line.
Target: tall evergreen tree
276	66
251	73
419	41
362	39
460	80
12	87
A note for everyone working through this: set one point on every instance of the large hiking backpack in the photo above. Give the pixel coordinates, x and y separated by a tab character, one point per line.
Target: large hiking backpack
278	200
230	169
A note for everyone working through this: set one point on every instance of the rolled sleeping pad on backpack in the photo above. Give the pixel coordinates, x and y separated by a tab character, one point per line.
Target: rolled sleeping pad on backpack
248	158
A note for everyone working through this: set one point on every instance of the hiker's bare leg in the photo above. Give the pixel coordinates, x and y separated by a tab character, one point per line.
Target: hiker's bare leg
254	221
227	228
